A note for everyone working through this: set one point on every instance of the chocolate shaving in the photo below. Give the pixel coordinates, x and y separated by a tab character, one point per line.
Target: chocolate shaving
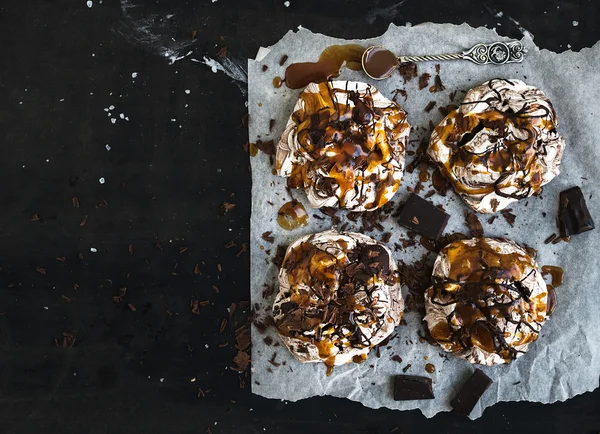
267	237
240	361
273	362
408	71
437	85
268	147
264	68
445	110
399	92
508	216
473	224
430	106
283	59
271	125
424	80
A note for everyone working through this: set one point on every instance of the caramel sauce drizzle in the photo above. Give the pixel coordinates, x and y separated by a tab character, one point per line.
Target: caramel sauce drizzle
487	288
344	142
517	160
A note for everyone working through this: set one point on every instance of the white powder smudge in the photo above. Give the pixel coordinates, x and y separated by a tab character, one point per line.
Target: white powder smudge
152	31
231	67
90	4
388	13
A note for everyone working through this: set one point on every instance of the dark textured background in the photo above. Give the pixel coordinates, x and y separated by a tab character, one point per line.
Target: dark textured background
165	184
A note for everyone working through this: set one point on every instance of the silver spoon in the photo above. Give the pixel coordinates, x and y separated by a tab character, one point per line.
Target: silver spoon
379	62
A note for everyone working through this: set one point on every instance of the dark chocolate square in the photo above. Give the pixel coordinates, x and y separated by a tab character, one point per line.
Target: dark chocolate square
573	214
411	387
470	393
423	217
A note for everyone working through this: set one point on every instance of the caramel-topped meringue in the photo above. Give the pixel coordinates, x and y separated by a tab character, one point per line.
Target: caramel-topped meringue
500	145
488	300
344	145
339	296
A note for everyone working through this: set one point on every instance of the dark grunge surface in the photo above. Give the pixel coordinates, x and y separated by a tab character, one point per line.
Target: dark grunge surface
80	354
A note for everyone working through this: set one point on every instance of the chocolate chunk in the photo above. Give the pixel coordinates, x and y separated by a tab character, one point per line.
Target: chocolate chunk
424	80
573	215
470	393
410	387
423	217
473	224
430	106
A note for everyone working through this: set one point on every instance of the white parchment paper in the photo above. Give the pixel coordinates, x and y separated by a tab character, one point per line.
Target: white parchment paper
565	360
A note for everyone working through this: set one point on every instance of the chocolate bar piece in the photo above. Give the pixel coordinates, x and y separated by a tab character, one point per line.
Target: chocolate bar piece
466	398
411	387
573	215
423	217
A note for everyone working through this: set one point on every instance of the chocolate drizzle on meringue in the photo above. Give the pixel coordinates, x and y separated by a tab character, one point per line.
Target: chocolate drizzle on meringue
501	143
335	295
344	147
487	303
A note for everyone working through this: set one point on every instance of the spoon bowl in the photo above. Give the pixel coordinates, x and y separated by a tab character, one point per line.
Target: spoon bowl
379	63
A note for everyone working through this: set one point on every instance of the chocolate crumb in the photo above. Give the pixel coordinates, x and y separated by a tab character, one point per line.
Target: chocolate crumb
406	368
271	124
397	358
408	71
268	340
491	219
267	237
424	80
473	224
437	85
283	59
268	147
550	239
430	106
264	68
508	216
445	110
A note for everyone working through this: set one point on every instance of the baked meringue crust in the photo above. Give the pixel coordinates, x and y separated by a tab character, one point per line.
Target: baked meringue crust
500	145
344	144
338	297
488	300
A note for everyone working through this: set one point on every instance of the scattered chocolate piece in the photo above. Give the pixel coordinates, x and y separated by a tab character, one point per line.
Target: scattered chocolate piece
273	362
385	238
408	71
473	224
470	393
573	214
508	216
268	340
491	219
242	250
222	52
411	387
423	217
452	95
424	80
279	255
267	147
240	361
283	59
400	92
437	85
227	206
430	106
397	358
245	121
445	110
271	124
264	68
229	244
430	244
267	237
550	239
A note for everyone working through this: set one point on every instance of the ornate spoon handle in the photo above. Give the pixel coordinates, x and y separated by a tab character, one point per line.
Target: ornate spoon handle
497	53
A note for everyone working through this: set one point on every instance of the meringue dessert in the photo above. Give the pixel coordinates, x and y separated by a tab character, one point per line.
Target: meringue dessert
488	300
344	144
339	296
500	145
